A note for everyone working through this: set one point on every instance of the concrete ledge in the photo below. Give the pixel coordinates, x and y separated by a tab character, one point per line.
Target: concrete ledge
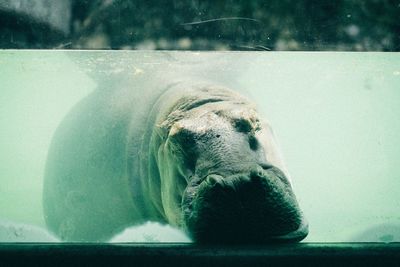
161	254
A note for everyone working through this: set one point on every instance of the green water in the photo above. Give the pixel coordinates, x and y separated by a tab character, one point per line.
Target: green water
336	116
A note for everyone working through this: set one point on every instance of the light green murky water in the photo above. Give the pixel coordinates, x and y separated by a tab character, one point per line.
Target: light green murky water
336	115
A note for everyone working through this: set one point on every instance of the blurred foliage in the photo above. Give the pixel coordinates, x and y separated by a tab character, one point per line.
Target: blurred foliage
235	25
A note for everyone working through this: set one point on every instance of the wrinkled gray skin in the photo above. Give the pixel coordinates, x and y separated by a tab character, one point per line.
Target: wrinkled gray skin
196	156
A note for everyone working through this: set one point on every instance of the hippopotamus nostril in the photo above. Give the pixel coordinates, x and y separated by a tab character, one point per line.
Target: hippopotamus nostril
257	173
215	180
266	166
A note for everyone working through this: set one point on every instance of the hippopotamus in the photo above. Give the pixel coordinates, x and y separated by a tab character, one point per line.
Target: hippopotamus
192	154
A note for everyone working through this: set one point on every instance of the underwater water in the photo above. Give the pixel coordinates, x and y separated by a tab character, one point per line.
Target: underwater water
336	116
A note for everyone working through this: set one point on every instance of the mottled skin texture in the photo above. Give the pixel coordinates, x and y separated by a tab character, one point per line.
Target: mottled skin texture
198	157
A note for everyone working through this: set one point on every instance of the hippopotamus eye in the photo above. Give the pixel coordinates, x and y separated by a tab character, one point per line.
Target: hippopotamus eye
242	125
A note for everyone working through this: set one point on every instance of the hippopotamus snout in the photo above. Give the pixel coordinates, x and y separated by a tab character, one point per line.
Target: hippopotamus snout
255	206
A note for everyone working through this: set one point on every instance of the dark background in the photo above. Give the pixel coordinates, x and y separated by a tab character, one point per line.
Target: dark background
349	25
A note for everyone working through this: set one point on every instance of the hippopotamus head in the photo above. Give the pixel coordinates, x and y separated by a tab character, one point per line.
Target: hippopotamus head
221	176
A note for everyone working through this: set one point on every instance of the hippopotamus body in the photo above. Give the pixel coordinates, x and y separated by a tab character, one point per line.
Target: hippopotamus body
192	154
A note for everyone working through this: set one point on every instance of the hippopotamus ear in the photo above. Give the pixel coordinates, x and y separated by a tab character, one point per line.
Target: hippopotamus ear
162	130
170	120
